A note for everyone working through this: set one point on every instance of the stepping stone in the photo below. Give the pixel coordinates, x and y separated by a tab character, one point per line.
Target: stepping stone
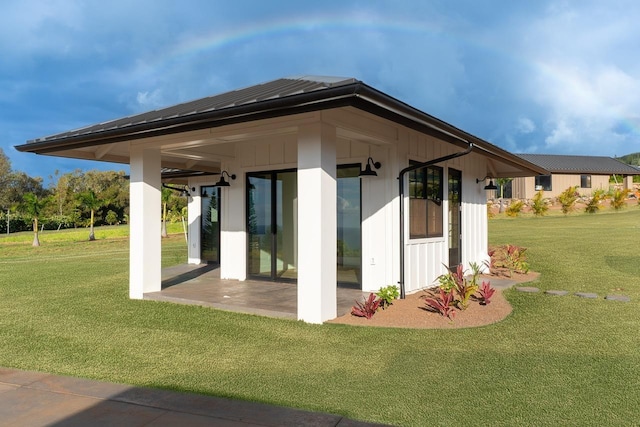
556	292
589	295
529	289
622	298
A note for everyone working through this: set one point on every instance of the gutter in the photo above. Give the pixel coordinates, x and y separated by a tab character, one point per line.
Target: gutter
401	192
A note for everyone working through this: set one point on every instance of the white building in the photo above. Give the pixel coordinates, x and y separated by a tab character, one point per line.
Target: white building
291	151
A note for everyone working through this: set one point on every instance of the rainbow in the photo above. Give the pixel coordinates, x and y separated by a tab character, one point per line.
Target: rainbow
361	22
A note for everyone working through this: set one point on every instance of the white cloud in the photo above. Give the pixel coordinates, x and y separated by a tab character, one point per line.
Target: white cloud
525	125
150	100
585	78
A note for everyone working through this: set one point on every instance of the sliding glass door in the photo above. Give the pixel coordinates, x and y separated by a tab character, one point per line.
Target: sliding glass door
272	224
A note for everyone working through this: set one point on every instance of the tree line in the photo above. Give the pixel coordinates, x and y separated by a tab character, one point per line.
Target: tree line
71	200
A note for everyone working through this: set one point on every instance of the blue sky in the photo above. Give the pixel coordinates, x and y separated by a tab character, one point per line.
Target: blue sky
554	77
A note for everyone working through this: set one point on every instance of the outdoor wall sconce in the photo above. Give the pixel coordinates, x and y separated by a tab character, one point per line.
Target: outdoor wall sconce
367	170
223	182
490	185
184	191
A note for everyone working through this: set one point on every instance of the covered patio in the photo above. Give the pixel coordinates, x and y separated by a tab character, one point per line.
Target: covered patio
202	285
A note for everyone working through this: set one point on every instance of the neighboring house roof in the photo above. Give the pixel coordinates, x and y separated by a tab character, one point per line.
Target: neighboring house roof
277	98
596	165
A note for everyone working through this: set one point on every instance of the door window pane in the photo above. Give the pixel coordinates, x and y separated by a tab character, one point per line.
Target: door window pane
286	223
455	219
210	224
349	244
259	224
272	224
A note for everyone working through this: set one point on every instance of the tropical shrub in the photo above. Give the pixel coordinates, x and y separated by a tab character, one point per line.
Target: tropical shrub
486	292
538	204
567	199
514	209
593	205
367	308
618	197
111	218
456	284
442	304
508	257
387	295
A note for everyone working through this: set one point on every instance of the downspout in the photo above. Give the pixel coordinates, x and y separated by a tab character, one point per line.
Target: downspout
401	187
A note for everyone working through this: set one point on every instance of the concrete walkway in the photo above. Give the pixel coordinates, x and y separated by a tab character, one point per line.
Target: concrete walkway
40	399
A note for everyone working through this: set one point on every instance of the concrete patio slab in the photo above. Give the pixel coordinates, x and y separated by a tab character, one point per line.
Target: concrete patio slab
202	285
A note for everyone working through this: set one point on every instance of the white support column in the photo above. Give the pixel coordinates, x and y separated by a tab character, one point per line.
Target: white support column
145	241
317	223
194	210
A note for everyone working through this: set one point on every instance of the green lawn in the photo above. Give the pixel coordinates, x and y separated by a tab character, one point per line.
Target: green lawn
64	309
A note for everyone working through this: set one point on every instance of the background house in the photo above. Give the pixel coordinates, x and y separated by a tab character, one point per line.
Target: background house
295	207
588	173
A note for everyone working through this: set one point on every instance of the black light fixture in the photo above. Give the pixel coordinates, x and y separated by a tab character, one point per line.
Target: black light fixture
184	191
367	170
490	185
223	182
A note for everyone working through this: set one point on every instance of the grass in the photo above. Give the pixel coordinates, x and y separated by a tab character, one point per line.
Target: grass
64	309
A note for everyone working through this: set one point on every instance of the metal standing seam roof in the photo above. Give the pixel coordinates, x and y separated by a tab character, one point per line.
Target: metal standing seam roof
567	164
277	98
275	89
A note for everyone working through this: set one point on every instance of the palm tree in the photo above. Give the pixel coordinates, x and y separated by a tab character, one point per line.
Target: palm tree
32	206
165	196
90	200
502	182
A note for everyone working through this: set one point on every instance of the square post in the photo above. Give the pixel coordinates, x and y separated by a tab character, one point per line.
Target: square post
145	222
317	223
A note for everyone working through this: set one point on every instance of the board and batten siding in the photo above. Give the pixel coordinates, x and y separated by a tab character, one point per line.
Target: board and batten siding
280	152
426	259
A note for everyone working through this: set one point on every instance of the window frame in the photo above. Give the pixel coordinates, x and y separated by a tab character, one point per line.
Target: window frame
585	179
539	183
428	206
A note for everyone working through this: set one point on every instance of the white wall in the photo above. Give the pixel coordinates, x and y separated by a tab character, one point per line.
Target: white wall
424	258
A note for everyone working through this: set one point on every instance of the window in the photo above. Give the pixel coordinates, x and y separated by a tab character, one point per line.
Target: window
425	202
543	182
585	181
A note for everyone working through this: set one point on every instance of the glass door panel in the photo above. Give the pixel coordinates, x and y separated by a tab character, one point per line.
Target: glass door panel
259	224
286	224
455	217
210	224
272	199
349	243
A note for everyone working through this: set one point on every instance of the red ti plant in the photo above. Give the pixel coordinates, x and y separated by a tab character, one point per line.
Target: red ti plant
442	304
491	262
486	292
458	276
367	308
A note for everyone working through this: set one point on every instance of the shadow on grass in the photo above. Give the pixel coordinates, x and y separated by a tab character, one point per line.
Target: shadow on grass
624	264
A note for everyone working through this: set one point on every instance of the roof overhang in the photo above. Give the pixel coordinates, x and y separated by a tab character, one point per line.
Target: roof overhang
109	141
